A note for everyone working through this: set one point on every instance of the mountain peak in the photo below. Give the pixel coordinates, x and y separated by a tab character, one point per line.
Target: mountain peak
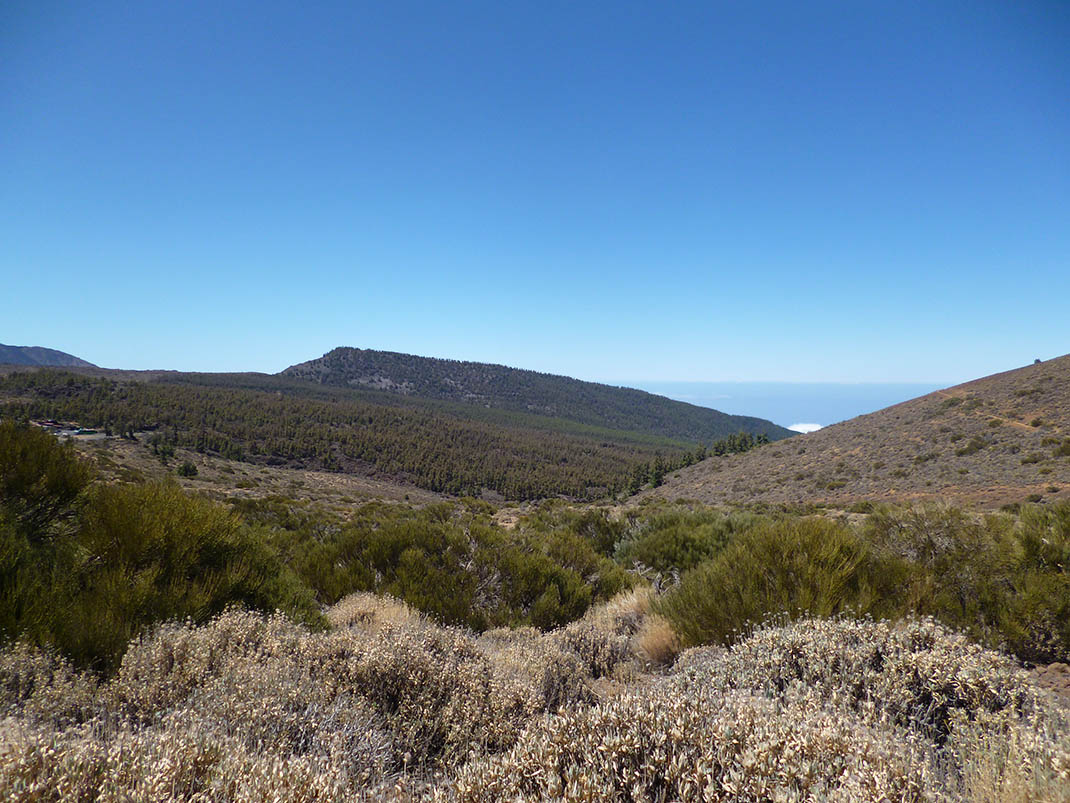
38	355
500	386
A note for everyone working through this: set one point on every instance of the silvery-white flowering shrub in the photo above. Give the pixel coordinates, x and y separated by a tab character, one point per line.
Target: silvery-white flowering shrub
664	746
916	672
389	706
39	685
252	707
993	733
162	668
820	709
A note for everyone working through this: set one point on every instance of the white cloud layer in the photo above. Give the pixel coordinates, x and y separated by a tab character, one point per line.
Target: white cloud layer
805	427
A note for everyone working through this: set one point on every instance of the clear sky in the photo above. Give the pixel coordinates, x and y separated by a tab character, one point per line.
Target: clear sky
796	191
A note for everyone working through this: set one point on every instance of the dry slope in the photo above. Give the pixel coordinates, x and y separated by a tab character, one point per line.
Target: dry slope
1004	438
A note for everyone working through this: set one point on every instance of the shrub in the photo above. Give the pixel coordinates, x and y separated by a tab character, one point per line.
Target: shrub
594	525
449	562
186	469
42	491
41	483
87	568
601	650
437	693
1003	581
992	733
1036	620
679	539
158	554
705	745
916	672
974	445
389	706
794	567
43	687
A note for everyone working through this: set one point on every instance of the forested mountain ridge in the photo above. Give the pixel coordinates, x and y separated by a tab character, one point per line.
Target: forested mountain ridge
441	446
38	355
526	391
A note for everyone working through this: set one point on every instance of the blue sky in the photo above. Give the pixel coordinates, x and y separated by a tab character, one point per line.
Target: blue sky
714	191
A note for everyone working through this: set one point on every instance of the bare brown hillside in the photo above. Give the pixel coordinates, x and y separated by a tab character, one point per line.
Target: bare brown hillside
1004	438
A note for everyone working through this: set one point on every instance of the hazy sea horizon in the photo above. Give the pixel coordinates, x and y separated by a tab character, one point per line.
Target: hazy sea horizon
792	403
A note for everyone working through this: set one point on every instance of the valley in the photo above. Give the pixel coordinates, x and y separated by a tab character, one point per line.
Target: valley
357	592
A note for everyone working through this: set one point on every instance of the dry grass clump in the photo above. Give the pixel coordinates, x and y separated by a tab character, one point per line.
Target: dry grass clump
369	612
612	636
657	642
1007	757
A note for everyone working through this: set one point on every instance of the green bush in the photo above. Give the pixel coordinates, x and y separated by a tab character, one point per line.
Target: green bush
975	445
42	489
186	469
159	554
592	524
792	568
41	482
680	538
1036	619
1004	580
88	568
448	560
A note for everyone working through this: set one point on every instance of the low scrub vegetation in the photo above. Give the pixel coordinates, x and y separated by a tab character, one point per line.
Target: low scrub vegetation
159	645
823	709
85	567
1004	579
793	567
387	705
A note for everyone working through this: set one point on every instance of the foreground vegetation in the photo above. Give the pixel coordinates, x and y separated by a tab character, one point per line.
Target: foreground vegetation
389	706
87	566
158	645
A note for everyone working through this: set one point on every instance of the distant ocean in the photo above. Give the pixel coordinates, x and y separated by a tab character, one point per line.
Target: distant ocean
791	404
